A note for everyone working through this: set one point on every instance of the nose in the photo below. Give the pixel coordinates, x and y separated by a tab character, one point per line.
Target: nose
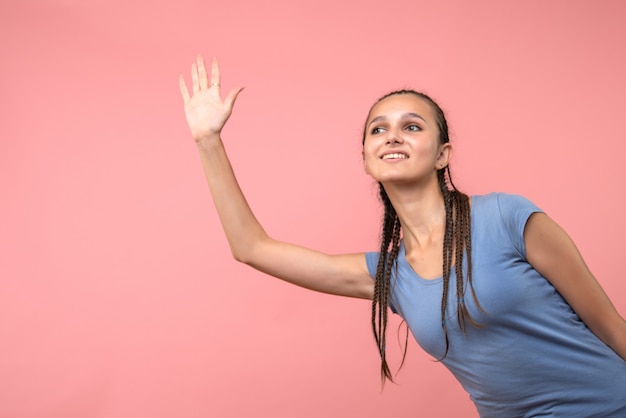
392	138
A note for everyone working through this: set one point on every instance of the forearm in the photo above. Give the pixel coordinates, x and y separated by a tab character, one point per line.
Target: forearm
241	227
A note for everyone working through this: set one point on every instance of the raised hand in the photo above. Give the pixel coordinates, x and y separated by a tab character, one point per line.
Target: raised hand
205	110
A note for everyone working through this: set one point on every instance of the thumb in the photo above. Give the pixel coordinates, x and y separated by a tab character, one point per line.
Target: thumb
232	96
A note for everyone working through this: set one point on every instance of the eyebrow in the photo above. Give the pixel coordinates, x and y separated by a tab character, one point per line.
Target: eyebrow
404	116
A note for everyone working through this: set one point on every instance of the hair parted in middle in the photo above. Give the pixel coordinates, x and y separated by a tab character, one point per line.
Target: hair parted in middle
457	246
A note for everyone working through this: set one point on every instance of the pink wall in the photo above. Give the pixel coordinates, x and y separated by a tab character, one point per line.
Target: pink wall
118	297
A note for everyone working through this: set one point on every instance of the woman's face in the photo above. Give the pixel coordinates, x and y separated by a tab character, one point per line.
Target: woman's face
402	141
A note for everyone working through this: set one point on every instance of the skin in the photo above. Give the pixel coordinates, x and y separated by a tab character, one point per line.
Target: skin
398	125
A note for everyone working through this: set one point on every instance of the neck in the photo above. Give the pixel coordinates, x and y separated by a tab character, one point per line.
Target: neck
421	211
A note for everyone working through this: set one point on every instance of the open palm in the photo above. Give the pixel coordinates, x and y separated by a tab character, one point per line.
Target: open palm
205	110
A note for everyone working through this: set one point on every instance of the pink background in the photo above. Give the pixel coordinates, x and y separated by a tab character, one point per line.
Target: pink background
118	296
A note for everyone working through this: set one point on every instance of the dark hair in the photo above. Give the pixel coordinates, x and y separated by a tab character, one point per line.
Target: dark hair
456	243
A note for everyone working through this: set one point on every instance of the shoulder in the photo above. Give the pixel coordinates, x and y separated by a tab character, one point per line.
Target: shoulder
503	205
501	201
503	215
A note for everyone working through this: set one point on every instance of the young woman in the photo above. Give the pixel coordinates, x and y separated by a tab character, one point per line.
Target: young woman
489	285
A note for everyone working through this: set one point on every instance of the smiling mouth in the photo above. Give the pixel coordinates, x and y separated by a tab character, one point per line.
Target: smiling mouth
395	156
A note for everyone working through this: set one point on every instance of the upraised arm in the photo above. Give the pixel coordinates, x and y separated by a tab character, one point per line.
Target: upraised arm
206	115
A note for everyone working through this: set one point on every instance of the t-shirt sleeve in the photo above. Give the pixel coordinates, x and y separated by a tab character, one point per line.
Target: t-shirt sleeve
372	262
514	212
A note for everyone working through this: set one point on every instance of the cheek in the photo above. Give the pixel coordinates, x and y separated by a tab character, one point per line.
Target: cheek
428	150
368	158
366	165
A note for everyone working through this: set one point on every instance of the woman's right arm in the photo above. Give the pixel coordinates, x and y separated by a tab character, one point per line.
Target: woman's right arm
206	114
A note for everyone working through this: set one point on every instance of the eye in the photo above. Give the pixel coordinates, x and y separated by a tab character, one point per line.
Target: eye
377	130
413	128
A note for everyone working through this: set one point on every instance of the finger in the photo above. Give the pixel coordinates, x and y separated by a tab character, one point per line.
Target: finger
194	78
215	72
183	89
232	96
202	73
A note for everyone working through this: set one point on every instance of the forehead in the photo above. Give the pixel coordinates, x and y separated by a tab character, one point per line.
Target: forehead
400	104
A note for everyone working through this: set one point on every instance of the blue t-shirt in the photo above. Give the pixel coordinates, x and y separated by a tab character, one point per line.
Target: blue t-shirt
534	356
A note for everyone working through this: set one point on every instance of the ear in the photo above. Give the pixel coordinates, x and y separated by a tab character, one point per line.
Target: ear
445	155
367	171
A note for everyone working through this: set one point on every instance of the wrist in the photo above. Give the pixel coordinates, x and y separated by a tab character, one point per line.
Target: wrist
208	139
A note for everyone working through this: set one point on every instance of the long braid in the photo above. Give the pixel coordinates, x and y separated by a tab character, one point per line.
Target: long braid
457	248
459	243
457	240
390	244
448	238
465	208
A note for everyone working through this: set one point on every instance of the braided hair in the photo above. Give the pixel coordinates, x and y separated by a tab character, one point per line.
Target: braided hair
457	243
